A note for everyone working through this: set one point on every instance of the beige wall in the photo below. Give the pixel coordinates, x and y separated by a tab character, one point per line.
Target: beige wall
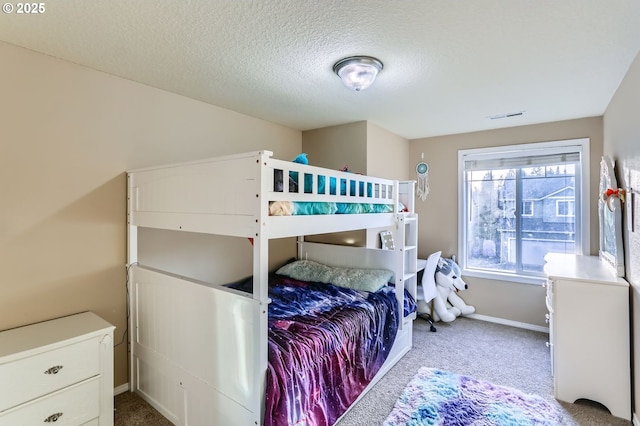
337	146
68	136
387	153
438	214
363	146
622	144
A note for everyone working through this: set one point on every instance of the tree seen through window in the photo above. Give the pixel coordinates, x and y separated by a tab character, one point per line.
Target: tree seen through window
516	215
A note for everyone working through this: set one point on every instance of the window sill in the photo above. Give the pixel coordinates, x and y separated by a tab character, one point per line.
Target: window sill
520	279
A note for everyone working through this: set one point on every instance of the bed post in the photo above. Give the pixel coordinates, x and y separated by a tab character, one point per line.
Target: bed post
261	238
132	258
261	283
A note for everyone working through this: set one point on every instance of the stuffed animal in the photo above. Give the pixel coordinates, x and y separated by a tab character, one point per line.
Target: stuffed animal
301	158
447	305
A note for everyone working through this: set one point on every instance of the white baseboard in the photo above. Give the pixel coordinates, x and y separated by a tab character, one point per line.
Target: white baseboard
121	389
503	321
636	421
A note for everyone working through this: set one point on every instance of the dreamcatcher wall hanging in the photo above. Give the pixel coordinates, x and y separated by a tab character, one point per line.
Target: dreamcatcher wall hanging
422	169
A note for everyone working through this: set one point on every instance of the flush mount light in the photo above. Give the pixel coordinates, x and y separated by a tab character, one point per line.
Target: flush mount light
358	72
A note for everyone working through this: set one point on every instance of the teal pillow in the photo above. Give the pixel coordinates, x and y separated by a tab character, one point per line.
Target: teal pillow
370	280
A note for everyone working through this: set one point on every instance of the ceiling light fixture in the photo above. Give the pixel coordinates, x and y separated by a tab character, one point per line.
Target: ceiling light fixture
358	72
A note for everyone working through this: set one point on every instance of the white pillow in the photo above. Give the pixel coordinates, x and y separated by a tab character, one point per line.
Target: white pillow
370	280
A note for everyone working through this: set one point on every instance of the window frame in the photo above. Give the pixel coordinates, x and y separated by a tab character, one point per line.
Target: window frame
582	199
571	208
530	203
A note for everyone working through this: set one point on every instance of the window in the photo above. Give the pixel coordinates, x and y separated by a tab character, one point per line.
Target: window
519	203
565	208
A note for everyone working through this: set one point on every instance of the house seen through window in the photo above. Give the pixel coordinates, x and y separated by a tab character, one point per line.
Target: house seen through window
520	203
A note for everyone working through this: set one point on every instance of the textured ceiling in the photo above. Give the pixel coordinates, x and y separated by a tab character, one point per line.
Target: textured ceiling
448	65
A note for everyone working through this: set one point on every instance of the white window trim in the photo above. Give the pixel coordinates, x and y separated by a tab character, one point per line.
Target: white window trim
532	204
569	209
583	233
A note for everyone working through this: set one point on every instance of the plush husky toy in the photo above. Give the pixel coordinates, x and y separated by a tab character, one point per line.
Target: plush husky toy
448	284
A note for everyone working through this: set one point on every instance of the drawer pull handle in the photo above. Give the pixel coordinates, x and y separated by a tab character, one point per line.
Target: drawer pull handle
54	369
53	418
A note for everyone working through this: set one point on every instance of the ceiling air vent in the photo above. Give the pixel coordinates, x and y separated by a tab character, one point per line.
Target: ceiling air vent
507	115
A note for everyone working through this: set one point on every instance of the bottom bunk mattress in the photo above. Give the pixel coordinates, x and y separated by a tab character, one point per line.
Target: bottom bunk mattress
326	344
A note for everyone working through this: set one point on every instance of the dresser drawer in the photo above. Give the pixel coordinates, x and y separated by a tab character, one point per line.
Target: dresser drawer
34	376
73	406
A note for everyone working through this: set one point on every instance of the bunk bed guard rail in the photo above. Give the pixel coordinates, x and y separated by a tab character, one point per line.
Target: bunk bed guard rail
230	195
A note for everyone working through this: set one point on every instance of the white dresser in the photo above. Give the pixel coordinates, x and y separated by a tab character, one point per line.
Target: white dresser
58	371
589	332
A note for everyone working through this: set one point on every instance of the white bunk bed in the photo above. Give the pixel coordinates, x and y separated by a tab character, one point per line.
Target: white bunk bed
199	350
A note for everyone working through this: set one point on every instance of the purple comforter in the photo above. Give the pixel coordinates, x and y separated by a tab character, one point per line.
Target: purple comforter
326	343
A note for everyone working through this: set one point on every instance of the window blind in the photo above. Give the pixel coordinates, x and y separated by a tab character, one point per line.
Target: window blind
507	160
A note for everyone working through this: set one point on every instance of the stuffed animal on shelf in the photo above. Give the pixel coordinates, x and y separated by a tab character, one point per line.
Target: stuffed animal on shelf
447	305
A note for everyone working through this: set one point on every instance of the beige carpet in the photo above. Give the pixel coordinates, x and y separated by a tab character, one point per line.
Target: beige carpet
131	410
501	354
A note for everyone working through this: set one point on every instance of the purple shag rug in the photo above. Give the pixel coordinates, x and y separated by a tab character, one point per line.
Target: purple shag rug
435	397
